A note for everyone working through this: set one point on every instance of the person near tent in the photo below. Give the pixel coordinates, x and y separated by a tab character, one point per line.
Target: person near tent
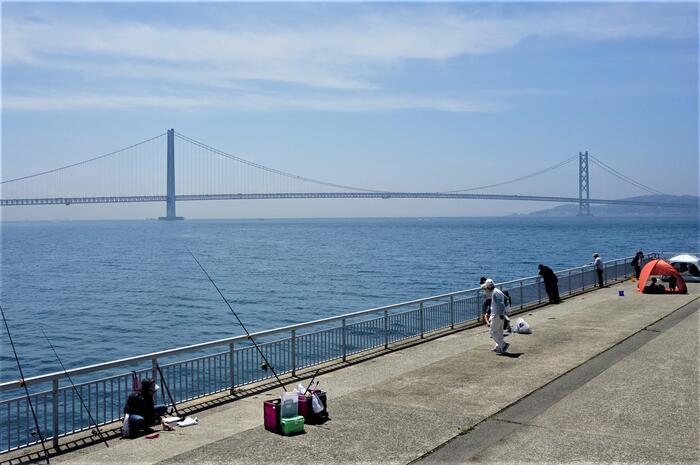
496	316
659	267
693	269
551	283
140	408
599	267
654	287
637	263
487	299
672	283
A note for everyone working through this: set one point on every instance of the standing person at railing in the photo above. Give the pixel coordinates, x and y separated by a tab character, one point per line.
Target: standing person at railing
551	283
599	267
140	411
637	263
496	317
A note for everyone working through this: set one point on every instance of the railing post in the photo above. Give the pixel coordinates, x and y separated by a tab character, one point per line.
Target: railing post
54	412
539	291
154	370
386	329
570	290
583	278
293	353
345	340
624	268
452	312
422	324
232	371
521	295
478	304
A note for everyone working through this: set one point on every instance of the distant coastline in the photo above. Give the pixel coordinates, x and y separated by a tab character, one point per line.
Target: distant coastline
628	210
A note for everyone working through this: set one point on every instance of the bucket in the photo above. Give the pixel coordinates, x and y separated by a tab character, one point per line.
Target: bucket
621	293
290	405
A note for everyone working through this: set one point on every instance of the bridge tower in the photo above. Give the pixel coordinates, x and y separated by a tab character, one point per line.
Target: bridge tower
584	204
170	188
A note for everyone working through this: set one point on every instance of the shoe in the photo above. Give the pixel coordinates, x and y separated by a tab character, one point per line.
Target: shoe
505	348
495	349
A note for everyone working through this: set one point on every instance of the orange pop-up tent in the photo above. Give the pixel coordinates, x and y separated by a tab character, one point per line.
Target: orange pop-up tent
660	267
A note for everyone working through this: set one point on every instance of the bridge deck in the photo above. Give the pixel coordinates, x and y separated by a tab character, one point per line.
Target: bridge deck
329	195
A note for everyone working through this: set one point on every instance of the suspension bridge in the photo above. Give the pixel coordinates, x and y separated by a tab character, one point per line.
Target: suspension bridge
139	172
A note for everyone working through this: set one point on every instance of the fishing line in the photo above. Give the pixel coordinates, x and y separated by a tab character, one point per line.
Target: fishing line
267	364
99	433
24	384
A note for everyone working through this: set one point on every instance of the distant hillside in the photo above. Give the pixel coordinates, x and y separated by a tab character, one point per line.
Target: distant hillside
629	210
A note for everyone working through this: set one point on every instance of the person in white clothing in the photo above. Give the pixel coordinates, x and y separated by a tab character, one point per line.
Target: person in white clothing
599	267
496	317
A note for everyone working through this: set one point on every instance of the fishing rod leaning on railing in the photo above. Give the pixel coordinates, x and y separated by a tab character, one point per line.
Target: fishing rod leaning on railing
23	384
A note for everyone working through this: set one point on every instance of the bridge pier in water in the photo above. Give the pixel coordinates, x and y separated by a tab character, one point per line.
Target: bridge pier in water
170	188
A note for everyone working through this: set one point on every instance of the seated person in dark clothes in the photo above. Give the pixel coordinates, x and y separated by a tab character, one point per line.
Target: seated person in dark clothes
141	409
672	283
654	288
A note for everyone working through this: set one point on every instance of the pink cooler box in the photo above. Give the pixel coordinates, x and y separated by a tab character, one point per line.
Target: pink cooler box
271	414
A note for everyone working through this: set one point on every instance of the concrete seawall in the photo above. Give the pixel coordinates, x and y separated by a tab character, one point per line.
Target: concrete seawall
602	378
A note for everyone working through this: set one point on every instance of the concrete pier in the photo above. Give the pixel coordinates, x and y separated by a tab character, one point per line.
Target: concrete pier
603	378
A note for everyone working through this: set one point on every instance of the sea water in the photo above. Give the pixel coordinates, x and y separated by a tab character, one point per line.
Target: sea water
106	290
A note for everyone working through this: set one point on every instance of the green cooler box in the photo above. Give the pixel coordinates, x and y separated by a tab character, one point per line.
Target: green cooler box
292	425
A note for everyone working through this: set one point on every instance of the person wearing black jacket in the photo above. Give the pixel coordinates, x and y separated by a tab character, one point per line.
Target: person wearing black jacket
550	283
141	409
637	263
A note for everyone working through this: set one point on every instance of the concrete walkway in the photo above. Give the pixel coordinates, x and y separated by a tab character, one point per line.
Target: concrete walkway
591	383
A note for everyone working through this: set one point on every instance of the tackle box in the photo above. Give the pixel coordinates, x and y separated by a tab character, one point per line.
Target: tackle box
292	425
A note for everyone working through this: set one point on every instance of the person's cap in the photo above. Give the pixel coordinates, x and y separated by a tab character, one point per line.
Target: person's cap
595	255
540	266
489	283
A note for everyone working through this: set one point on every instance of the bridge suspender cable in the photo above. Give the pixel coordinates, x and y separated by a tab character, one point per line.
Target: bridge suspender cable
271	170
82	162
622	177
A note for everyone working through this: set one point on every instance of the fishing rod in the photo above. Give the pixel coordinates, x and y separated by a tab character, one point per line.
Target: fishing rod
311	382
99	433
267	364
24	384
165	385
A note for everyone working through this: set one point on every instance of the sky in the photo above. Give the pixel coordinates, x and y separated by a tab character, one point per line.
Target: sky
383	96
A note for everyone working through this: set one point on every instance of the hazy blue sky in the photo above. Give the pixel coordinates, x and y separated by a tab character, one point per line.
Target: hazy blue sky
411	97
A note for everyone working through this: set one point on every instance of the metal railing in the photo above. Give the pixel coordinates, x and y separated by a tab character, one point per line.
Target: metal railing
222	365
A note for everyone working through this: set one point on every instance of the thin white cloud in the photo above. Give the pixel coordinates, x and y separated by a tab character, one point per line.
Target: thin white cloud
347	53
253	102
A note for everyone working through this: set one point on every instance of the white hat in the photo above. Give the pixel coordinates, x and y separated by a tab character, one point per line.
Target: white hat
488	284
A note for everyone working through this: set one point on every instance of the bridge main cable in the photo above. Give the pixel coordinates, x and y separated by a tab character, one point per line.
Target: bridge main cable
82	162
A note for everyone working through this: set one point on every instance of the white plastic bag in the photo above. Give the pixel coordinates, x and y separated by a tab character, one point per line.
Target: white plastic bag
522	327
316	404
189	421
125	426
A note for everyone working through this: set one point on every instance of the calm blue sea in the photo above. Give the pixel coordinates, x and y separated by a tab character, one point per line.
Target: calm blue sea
109	289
